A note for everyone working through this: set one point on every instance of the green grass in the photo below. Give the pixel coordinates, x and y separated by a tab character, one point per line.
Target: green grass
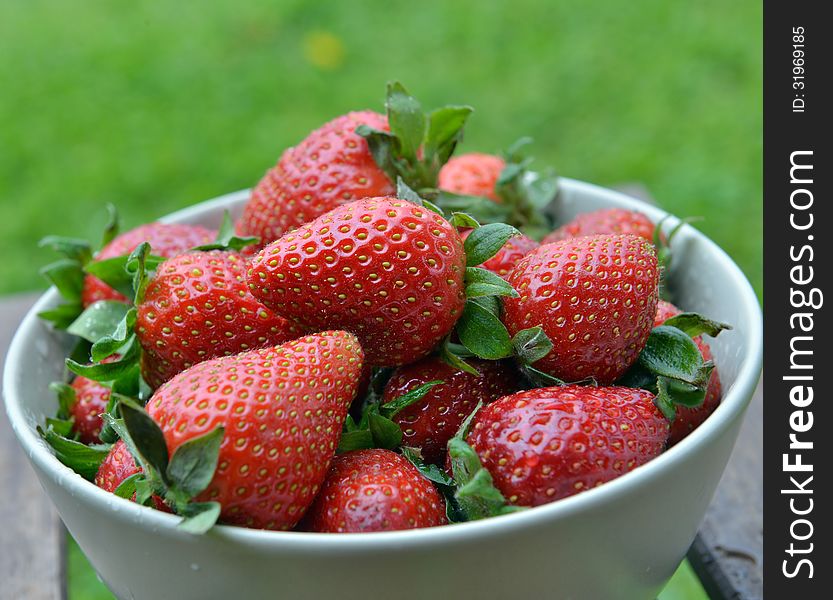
155	105
83	583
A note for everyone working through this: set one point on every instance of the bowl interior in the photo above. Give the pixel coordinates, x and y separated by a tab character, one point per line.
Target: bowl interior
702	276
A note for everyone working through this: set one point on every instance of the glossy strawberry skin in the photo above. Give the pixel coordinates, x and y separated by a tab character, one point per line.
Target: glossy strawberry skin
605	221
429	423
549	443
197	307
689	419
117	466
385	269
508	256
374	490
282	409
91	400
166	240
331	167
595	297
473	174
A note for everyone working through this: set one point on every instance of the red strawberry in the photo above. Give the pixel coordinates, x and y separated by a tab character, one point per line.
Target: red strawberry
166	240
374	490
282	409
332	166
429	423
549	443
509	255
605	221
91	400
117	466
472	174
197	307
595	297
386	269
689	419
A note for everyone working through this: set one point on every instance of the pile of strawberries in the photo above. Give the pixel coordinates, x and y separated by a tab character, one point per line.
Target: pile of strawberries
378	343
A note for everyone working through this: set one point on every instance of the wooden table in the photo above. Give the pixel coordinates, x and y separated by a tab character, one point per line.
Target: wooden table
727	554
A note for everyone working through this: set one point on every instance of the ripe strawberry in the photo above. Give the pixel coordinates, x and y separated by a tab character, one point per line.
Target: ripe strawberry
166	240
549	443
473	174
605	221
689	419
282	409
385	269
374	490
197	307
595	297
117	466
429	423
509	255
331	167
91	400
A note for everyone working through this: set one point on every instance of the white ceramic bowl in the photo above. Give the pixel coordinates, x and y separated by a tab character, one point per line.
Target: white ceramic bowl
622	540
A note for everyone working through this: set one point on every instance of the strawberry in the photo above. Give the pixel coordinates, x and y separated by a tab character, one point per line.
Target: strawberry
548	443
473	174
91	400
117	466
509	255
605	221
374	490
430	422
281	409
358	155
688	419
166	240
198	306
332	166
594	297
385	269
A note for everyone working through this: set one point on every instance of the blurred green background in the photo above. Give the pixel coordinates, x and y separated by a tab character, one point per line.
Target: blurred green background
156	105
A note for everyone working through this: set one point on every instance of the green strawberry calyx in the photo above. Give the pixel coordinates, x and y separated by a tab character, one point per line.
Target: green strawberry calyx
177	478
671	365
417	145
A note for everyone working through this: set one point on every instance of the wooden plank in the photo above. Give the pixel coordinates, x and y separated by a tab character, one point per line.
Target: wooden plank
31	535
728	554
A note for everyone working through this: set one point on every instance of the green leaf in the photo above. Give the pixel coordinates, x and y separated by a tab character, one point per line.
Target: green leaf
359	439
146	437
66	398
693	324
67	277
453	358
226	238
431	472
482	209
480	282
383	147
485	241
79	457
483	333
137	267
112	271
400	403
539	379
116	338
476	494
531	345
62	315
98	320
107	372
463	220
74	249
386	433
671	353
62	427
127	487
445	130
199	517
433	207
406	120
404	192
144	491
194	462
516	153
111	229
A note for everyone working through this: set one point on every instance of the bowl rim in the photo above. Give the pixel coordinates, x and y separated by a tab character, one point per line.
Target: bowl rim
732	405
